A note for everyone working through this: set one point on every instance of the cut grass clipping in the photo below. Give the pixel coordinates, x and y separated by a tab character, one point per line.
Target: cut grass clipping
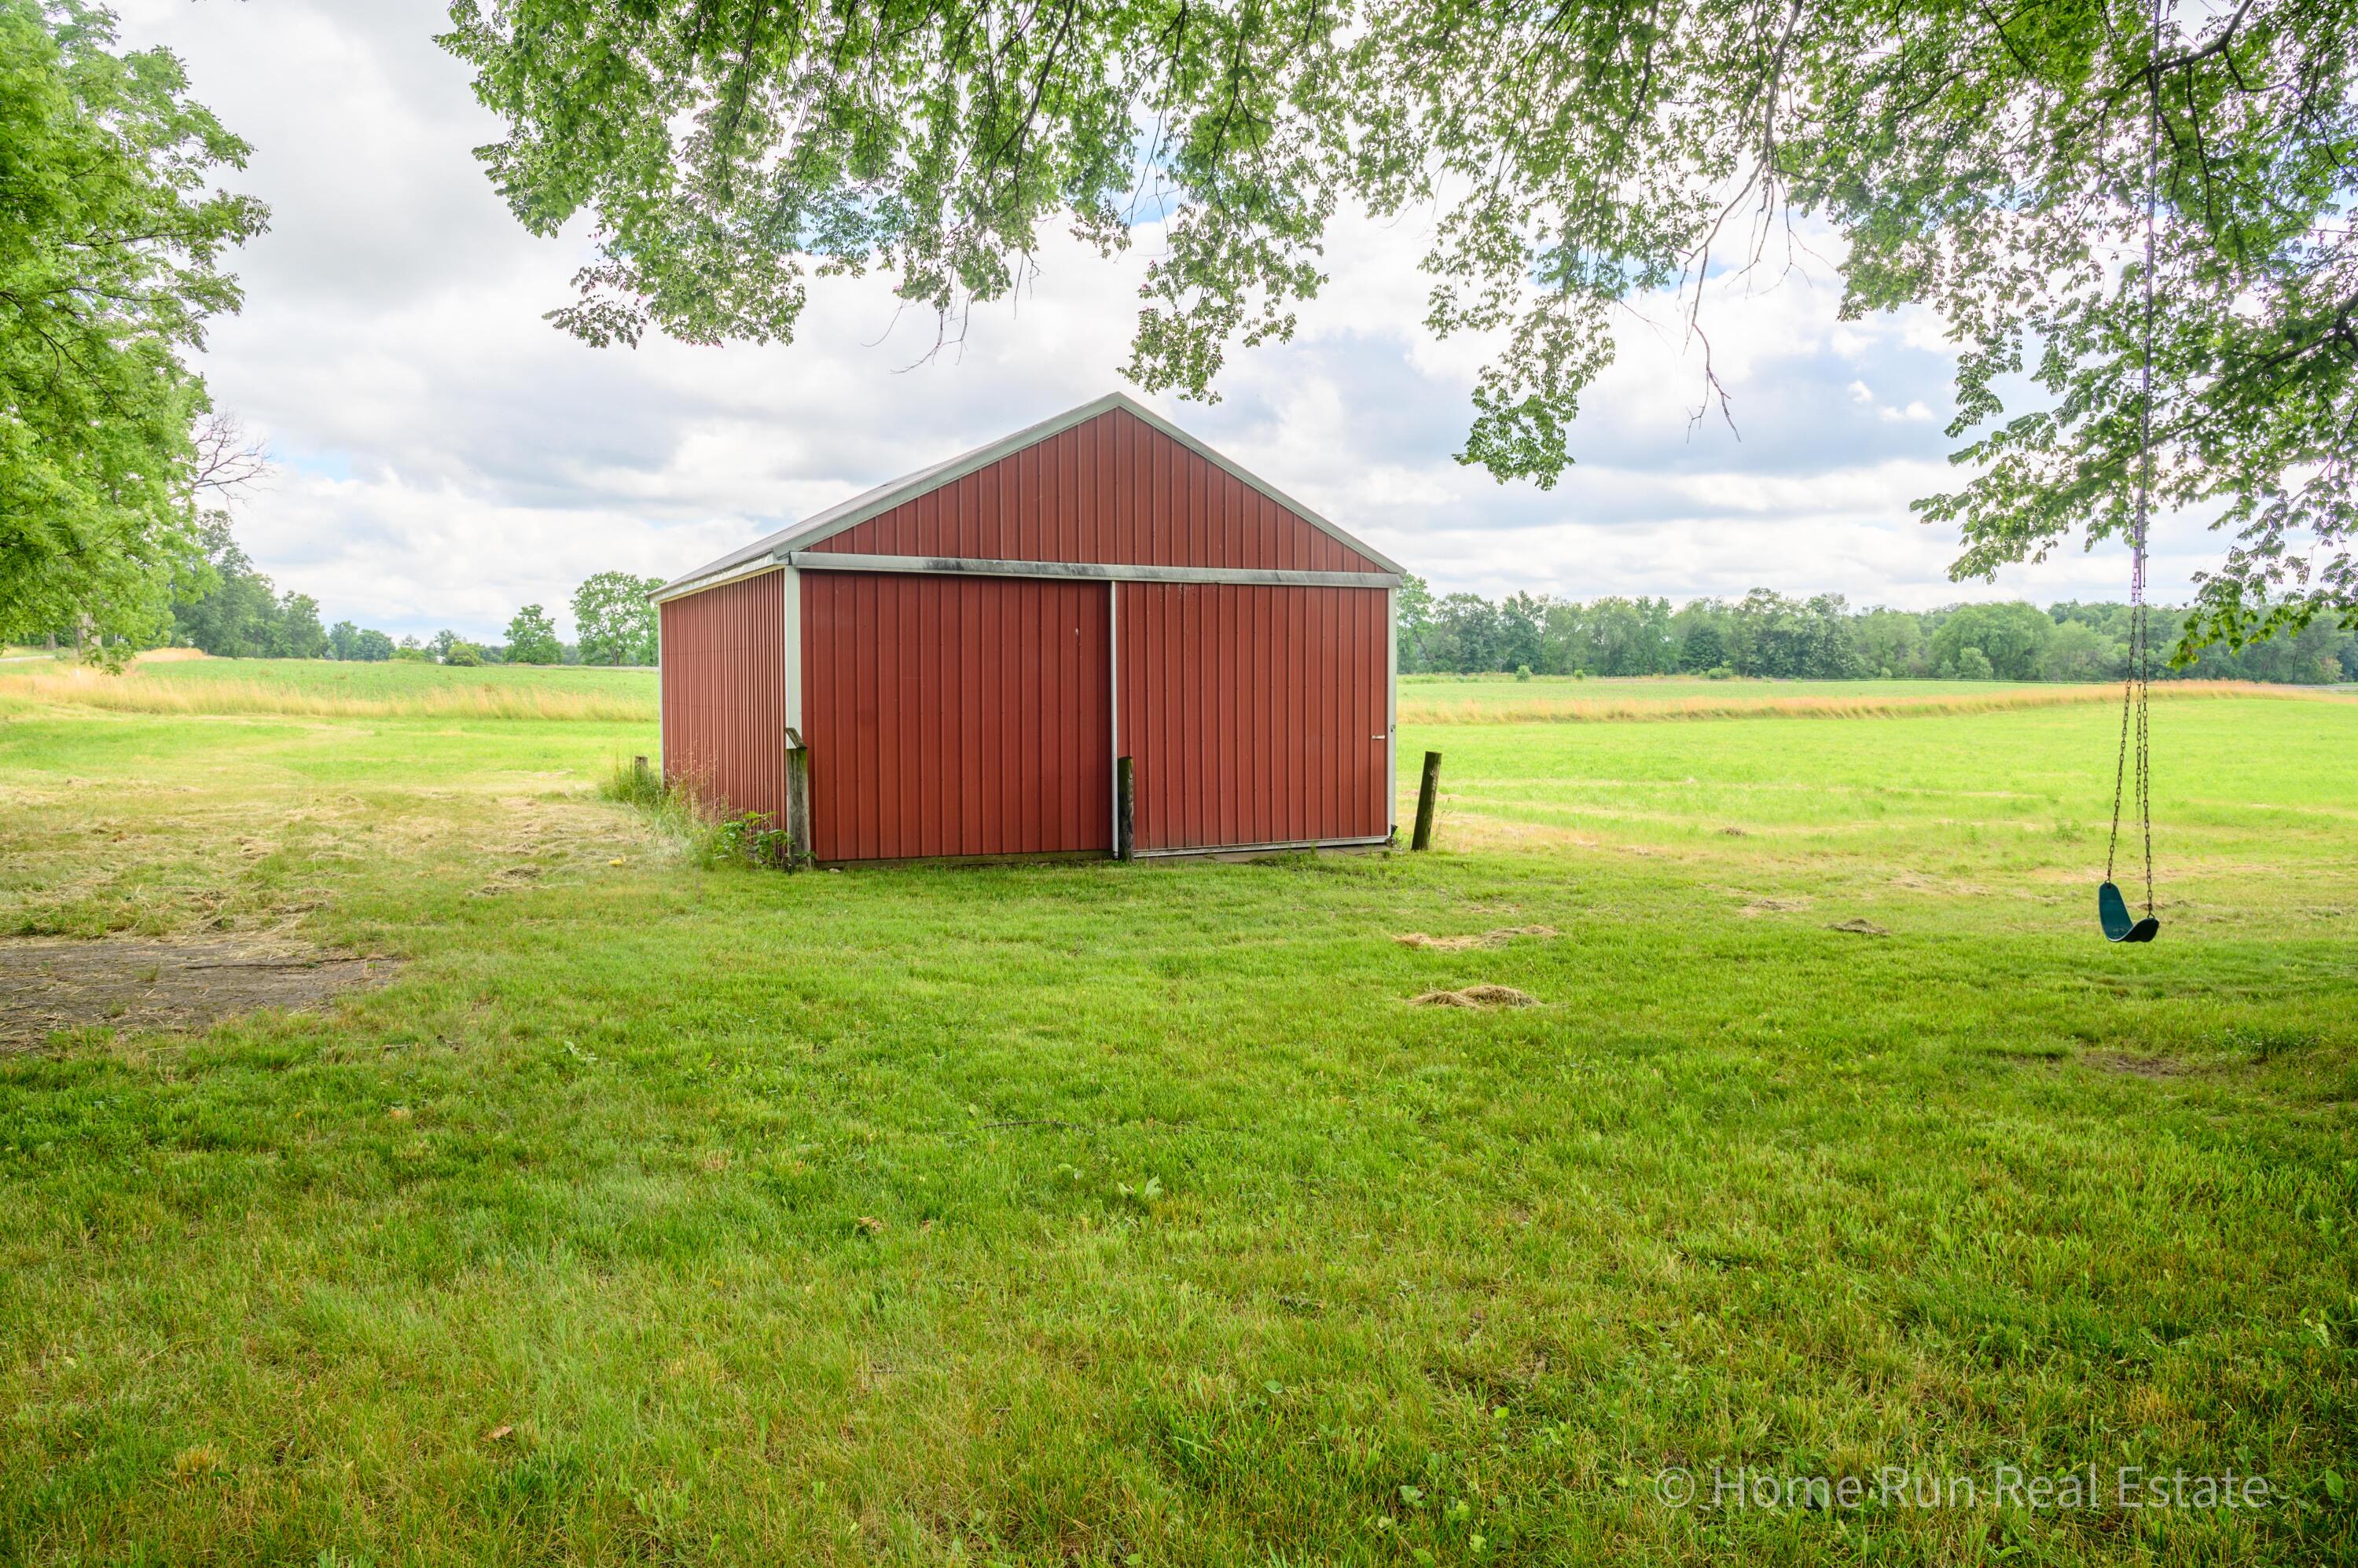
1478	997
1497	937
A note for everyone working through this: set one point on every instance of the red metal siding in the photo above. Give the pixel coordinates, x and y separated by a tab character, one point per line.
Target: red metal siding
1115	490
724	694
955	716
1254	714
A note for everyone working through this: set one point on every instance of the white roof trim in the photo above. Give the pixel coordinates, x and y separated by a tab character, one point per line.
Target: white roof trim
1082	572
886	497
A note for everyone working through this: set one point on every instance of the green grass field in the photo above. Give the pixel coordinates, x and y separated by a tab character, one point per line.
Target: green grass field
1097	1213
325	689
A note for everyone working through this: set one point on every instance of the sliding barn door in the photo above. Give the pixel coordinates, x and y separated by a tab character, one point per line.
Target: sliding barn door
956	715
1255	713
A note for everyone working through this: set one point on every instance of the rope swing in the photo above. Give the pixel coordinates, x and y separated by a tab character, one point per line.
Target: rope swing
2112	909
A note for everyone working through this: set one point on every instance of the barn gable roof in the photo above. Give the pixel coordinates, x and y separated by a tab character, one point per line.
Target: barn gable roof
835	519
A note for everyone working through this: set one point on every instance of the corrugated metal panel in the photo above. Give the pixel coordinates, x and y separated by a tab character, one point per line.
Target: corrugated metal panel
955	716
724	694
1116	491
1254	714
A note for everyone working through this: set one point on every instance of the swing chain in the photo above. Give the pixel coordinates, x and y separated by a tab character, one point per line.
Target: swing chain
2135	691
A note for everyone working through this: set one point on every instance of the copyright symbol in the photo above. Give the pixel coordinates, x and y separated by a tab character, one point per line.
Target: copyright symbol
1674	1487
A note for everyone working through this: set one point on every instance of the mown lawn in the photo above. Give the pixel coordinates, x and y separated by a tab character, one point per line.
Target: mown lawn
1086	1213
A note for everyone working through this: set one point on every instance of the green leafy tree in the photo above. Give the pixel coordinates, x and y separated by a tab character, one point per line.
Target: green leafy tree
1987	162
2011	637
1466	637
614	622
1522	623
464	654
1629	637
111	240
1890	642
231	611
1704	630
1704	648
2076	651
532	640
224	606
1788	638
1412	617
346	640
1563	644
295	632
1659	646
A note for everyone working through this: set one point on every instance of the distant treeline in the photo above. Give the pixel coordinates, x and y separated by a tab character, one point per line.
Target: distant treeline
1769	634
236	612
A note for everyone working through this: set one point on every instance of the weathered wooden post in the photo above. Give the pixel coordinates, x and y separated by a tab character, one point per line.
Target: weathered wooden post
1125	816
798	846
1425	793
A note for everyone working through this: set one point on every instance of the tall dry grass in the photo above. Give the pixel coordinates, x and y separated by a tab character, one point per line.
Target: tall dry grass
80	686
75	686
1898	704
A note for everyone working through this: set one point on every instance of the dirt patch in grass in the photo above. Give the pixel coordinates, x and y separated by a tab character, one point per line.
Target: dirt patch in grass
1496	938
1760	906
132	983
1953	887
2139	1066
1859	927
1477	997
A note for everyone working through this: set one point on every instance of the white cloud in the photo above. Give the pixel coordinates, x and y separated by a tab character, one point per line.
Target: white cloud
449	456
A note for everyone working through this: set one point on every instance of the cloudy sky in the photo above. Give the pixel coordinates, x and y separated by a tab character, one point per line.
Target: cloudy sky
444	455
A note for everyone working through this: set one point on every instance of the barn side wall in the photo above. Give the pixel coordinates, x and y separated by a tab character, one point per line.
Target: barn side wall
956	715
723	679
1114	491
1255	714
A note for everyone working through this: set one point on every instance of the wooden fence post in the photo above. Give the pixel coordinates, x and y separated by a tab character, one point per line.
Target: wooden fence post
1425	793
1125	786
798	814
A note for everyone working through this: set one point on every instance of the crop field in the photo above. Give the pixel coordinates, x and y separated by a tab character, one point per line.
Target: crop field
611	1206
323	689
1488	699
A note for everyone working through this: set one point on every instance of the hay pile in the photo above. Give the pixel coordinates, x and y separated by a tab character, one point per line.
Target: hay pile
1498	938
1480	998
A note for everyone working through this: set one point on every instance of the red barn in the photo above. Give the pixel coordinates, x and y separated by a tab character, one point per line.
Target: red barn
951	664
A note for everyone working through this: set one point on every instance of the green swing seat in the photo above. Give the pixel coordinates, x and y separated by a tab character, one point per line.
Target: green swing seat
2113	911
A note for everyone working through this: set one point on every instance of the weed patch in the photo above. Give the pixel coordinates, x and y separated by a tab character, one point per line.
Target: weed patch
685	812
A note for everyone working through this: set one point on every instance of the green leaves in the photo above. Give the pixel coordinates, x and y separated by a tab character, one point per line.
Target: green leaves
110	248
614	622
532	638
1987	163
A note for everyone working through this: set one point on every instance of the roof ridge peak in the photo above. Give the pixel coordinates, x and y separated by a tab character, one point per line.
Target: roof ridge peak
879	499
